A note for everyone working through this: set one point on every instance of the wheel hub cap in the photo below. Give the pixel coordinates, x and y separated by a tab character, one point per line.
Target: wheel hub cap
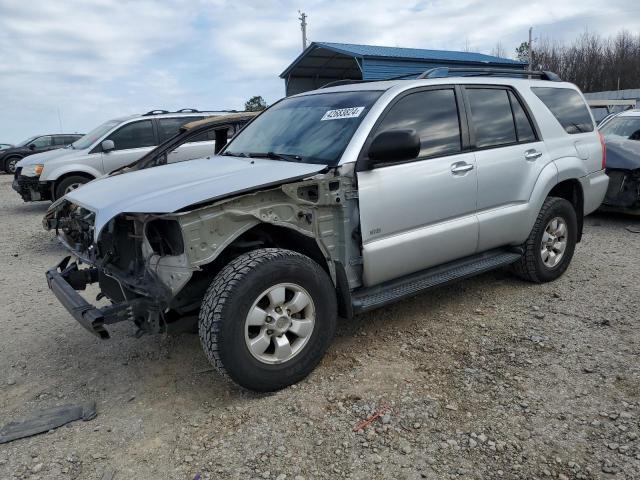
279	323
554	242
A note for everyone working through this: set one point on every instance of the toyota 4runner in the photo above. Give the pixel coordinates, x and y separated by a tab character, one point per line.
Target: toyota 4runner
335	202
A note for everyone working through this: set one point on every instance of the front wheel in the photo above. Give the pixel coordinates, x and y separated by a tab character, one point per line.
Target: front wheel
69	184
268	318
10	165
551	243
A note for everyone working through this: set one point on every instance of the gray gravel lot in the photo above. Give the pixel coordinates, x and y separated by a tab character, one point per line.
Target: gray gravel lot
488	378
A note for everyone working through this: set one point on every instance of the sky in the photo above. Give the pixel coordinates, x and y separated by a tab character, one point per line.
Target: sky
72	64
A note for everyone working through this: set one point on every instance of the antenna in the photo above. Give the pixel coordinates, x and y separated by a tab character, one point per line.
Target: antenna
303	27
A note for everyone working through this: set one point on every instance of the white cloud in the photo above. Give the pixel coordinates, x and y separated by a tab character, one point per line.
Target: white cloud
101	59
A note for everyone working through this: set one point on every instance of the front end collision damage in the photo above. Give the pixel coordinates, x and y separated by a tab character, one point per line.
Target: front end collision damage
623	194
155	268
623	169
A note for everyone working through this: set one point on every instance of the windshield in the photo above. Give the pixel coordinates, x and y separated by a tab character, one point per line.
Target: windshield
312	128
622	127
95	134
26	142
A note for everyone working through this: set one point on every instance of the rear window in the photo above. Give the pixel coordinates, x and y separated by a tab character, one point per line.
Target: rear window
568	107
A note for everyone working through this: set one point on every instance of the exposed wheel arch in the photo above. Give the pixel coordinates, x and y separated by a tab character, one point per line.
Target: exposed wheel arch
262	235
571	190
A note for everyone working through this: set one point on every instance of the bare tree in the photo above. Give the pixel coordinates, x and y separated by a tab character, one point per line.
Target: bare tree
499	51
466	47
592	62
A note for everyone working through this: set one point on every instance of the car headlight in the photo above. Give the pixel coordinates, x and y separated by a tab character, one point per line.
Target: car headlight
32	170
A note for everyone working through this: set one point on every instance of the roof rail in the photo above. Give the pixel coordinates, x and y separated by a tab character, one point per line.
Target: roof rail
186	110
155	112
344	81
442	72
348	81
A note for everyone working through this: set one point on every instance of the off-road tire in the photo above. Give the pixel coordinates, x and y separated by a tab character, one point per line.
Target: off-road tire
231	295
531	267
62	186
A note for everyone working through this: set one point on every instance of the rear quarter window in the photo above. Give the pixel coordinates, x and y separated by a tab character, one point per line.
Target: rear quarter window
568	107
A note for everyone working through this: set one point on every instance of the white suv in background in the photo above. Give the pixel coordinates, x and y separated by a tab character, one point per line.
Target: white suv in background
115	143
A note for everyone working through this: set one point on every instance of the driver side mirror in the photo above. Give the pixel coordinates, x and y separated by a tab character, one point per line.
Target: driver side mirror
32	146
394	146
108	145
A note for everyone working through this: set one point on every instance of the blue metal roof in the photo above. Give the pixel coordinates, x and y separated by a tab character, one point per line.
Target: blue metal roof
373	53
414	53
323	62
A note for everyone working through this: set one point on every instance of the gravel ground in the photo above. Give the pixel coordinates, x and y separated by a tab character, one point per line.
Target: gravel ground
488	378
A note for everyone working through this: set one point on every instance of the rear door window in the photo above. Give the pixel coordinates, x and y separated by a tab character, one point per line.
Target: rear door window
433	114
61	140
168	127
134	135
568	107
491	117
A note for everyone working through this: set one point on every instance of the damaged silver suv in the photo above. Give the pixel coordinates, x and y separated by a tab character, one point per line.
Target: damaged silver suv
335	202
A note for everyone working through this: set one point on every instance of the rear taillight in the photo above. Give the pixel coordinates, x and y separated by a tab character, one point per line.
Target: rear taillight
604	150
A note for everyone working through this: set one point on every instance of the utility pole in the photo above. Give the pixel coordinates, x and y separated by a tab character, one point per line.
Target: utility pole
60	121
303	27
530	48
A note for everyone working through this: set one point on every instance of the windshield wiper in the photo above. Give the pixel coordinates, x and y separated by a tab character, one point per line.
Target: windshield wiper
234	154
276	156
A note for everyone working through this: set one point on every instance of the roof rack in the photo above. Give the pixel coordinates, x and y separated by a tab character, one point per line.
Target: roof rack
443	72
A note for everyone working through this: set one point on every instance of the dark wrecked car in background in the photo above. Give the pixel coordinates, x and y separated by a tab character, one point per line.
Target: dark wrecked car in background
622	136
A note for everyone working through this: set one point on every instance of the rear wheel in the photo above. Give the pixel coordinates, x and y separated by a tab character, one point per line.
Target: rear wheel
551	243
69	184
268	318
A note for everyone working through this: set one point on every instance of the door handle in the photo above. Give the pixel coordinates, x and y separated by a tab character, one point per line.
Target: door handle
461	167
532	155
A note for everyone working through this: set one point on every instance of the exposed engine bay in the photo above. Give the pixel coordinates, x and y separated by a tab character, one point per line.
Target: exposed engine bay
155	268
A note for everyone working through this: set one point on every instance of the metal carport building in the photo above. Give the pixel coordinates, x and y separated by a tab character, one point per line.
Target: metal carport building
324	62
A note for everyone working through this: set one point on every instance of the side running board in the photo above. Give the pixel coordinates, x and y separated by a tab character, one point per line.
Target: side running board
411	285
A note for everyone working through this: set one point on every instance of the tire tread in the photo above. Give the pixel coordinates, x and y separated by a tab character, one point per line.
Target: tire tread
219	291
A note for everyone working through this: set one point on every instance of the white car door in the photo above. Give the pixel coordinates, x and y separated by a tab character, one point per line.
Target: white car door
420	213
131	142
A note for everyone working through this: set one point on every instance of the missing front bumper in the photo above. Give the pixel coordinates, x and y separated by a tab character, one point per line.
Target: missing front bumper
31	189
64	279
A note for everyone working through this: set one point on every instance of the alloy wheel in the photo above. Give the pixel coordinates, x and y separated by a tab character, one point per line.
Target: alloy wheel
279	323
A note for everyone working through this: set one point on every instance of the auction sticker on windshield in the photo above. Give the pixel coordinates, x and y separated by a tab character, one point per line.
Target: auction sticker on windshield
351	112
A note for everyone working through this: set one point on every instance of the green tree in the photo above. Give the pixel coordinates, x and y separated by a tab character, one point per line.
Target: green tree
522	52
255	104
